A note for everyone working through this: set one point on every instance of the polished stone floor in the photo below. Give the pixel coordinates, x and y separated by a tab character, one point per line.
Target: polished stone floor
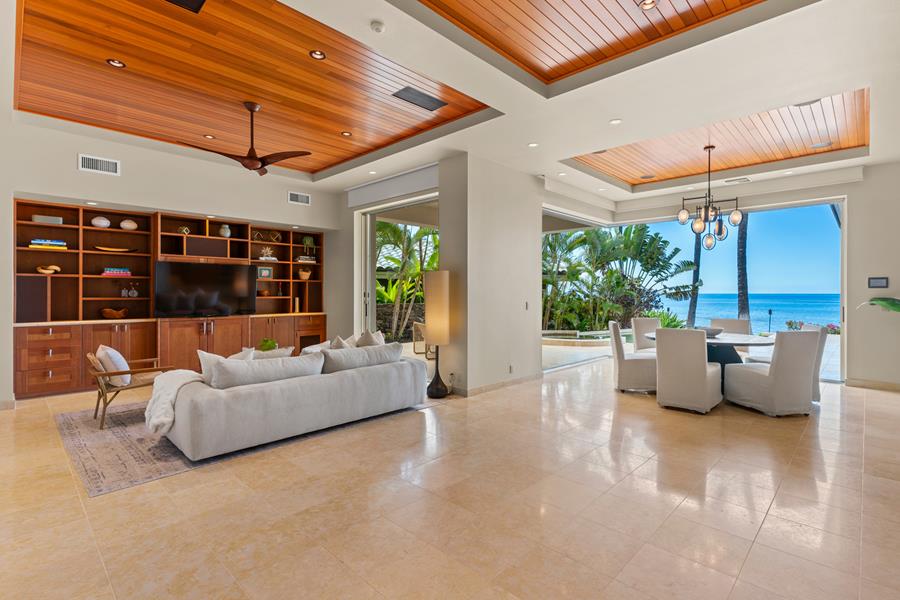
558	488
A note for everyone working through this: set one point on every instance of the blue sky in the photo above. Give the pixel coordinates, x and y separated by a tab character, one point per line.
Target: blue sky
794	250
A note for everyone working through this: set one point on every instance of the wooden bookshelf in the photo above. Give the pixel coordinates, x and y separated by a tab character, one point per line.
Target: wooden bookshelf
79	291
289	293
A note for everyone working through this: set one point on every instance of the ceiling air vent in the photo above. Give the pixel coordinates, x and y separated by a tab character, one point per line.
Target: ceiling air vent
419	98
299	198
737	180
95	164
191	5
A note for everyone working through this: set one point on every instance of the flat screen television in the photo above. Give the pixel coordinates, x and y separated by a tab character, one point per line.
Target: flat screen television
201	290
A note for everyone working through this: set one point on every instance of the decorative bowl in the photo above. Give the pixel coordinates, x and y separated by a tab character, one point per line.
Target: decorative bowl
712	332
304	274
111	313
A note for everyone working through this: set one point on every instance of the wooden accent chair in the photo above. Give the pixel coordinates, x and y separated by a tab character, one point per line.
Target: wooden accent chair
107	392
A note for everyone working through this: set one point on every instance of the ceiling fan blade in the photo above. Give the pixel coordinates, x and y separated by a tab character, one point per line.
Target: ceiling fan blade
262	171
236	157
275	157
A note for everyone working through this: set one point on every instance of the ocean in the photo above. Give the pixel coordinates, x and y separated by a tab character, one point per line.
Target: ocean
820	309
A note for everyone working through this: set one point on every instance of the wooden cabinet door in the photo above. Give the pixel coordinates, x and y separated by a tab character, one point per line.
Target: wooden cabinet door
282	331
260	327
139	340
227	335
102	333
179	340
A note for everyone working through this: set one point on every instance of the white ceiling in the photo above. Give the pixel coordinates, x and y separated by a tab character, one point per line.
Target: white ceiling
821	49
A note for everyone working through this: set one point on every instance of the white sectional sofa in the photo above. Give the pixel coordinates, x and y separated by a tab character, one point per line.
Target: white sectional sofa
210	421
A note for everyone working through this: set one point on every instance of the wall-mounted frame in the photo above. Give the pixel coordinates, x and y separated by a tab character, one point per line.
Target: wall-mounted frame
878	282
265	272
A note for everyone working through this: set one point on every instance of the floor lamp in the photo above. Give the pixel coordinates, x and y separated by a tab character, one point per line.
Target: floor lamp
437	323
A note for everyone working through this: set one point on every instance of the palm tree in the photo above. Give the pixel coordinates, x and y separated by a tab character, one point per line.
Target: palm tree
560	268
742	290
695	282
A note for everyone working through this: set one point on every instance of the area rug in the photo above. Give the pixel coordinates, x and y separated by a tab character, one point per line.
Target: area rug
121	455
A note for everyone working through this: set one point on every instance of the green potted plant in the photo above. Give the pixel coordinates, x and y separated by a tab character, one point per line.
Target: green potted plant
267	344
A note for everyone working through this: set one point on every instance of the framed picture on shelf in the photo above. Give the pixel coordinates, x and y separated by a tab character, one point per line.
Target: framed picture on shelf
265	272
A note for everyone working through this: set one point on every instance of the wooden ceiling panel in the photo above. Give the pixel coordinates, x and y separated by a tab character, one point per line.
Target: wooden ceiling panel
778	134
187	75
553	39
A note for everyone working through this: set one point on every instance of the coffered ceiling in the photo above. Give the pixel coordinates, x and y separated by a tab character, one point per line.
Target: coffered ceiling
833	123
187	74
553	39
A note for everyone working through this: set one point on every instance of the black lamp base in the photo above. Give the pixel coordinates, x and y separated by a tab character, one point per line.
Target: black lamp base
437	388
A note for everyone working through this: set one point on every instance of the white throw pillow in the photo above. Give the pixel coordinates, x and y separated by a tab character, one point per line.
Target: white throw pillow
340	343
233	373
112	360
370	339
354	358
326	345
208	360
245	354
276	353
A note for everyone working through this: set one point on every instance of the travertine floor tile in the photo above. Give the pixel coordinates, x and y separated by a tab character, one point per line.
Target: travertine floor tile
663	575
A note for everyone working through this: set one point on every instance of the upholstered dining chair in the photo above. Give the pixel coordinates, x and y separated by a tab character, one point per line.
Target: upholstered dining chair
782	388
641	326
107	390
823	339
733	326
684	378
633	371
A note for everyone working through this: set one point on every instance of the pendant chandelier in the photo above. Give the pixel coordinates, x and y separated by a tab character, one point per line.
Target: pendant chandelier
709	214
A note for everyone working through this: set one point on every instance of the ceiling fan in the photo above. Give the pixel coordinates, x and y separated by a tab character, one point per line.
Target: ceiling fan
251	161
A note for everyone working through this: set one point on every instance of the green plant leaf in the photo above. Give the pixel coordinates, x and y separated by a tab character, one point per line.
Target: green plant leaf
267	344
891	304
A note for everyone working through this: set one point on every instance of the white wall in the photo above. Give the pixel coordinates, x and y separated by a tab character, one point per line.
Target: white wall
490	223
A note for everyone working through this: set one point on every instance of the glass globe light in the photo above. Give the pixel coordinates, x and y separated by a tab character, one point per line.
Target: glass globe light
698	225
709	241
736	217
684	215
720	230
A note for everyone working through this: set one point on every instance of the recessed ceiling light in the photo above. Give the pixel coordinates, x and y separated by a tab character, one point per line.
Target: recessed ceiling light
209	136
373	172
561	174
317	54
690	187
533	145
647	4
615	122
91	203
820	145
210	216
788	172
346	133
648	176
295	227
115	62
601	189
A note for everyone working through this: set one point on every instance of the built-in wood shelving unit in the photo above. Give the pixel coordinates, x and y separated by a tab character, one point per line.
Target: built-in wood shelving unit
288	291
79	291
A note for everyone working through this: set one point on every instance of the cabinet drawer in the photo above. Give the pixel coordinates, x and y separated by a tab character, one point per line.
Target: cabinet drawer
309	322
50	357
50	380
50	336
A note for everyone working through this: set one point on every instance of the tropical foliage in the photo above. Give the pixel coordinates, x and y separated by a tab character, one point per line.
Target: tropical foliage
402	255
666	318
595	275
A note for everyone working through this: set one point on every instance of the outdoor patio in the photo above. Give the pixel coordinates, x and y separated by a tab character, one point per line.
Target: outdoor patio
555	356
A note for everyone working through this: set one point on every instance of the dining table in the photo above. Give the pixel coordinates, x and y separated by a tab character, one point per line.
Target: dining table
721	348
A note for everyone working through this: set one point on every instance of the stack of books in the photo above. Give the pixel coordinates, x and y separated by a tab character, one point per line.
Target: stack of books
306	259
43	244
116	272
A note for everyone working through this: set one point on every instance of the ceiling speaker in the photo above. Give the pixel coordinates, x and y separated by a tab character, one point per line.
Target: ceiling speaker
191	5
419	98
